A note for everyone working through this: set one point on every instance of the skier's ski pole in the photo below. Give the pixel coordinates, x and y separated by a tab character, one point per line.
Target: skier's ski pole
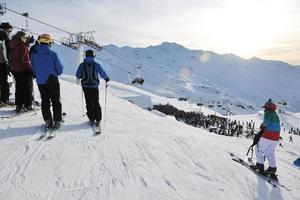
105	94
82	102
33	98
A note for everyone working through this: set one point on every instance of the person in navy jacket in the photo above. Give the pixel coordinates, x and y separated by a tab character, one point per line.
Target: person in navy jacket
47	67
89	71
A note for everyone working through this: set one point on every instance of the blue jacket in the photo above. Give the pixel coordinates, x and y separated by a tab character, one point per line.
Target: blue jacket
98	71
44	63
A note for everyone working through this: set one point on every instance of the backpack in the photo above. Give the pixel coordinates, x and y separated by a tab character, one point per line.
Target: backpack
89	76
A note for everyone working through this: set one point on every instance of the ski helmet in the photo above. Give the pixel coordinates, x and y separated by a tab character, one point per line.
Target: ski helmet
45	38
269	105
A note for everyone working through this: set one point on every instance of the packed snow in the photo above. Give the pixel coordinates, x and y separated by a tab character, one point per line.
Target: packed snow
141	154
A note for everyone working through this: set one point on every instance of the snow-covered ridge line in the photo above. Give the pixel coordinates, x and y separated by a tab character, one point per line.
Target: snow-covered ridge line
240	85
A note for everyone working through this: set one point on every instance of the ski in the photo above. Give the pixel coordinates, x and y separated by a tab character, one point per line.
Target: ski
45	133
54	131
7	104
15	114
273	182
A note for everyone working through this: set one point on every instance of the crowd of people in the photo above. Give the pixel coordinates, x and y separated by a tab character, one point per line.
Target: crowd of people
25	62
213	123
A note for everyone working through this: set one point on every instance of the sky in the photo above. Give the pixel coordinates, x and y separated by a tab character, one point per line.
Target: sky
268	29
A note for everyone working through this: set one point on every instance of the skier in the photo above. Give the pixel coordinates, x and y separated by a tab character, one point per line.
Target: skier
88	72
291	139
22	71
47	67
268	141
5	30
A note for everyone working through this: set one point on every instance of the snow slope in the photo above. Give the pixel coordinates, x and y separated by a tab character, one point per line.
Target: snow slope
141	155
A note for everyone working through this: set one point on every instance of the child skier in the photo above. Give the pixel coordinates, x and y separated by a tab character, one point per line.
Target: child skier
268	141
88	72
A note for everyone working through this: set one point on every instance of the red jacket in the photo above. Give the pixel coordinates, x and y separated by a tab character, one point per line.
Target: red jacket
19	56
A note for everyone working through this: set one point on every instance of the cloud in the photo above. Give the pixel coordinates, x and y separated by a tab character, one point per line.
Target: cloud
142	22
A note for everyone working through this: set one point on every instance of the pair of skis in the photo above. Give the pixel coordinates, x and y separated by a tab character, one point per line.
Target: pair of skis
50	133
15	114
273	182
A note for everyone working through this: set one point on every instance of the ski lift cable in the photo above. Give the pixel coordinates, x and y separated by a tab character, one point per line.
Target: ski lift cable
55	27
60	29
103	52
97	57
132	64
114	65
31	32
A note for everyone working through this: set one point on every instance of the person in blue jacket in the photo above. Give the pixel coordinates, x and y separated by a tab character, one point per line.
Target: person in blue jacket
47	67
89	71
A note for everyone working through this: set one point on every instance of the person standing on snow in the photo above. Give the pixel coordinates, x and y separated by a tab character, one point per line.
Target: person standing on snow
268	141
22	71
47	67
5	30
88	72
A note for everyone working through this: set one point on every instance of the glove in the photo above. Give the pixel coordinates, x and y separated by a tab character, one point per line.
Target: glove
30	39
107	80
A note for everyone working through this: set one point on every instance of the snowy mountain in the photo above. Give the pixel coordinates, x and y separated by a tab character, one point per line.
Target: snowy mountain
226	83
140	155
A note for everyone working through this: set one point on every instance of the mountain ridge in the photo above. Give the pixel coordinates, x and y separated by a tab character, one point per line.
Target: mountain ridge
171	70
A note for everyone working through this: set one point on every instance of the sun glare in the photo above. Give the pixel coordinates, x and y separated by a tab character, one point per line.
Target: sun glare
247	26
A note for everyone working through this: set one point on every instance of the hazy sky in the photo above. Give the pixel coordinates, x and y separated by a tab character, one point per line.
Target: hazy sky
269	29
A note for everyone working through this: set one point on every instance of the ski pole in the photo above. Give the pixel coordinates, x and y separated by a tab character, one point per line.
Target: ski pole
105	94
33	97
82	102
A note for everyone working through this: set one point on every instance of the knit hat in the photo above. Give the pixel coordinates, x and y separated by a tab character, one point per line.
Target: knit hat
19	34
269	105
5	25
89	53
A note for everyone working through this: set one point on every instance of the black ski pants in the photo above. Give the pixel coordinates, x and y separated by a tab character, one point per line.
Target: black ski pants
4	87
50	93
23	95
92	104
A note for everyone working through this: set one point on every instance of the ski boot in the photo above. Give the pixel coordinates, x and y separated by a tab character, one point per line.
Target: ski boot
18	109
97	129
271	172
92	122
56	125
259	168
49	124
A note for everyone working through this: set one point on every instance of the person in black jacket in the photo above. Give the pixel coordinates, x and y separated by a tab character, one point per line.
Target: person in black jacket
5	30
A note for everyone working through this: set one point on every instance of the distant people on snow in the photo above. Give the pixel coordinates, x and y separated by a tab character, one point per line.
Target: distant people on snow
22	71
47	67
89	71
5	30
